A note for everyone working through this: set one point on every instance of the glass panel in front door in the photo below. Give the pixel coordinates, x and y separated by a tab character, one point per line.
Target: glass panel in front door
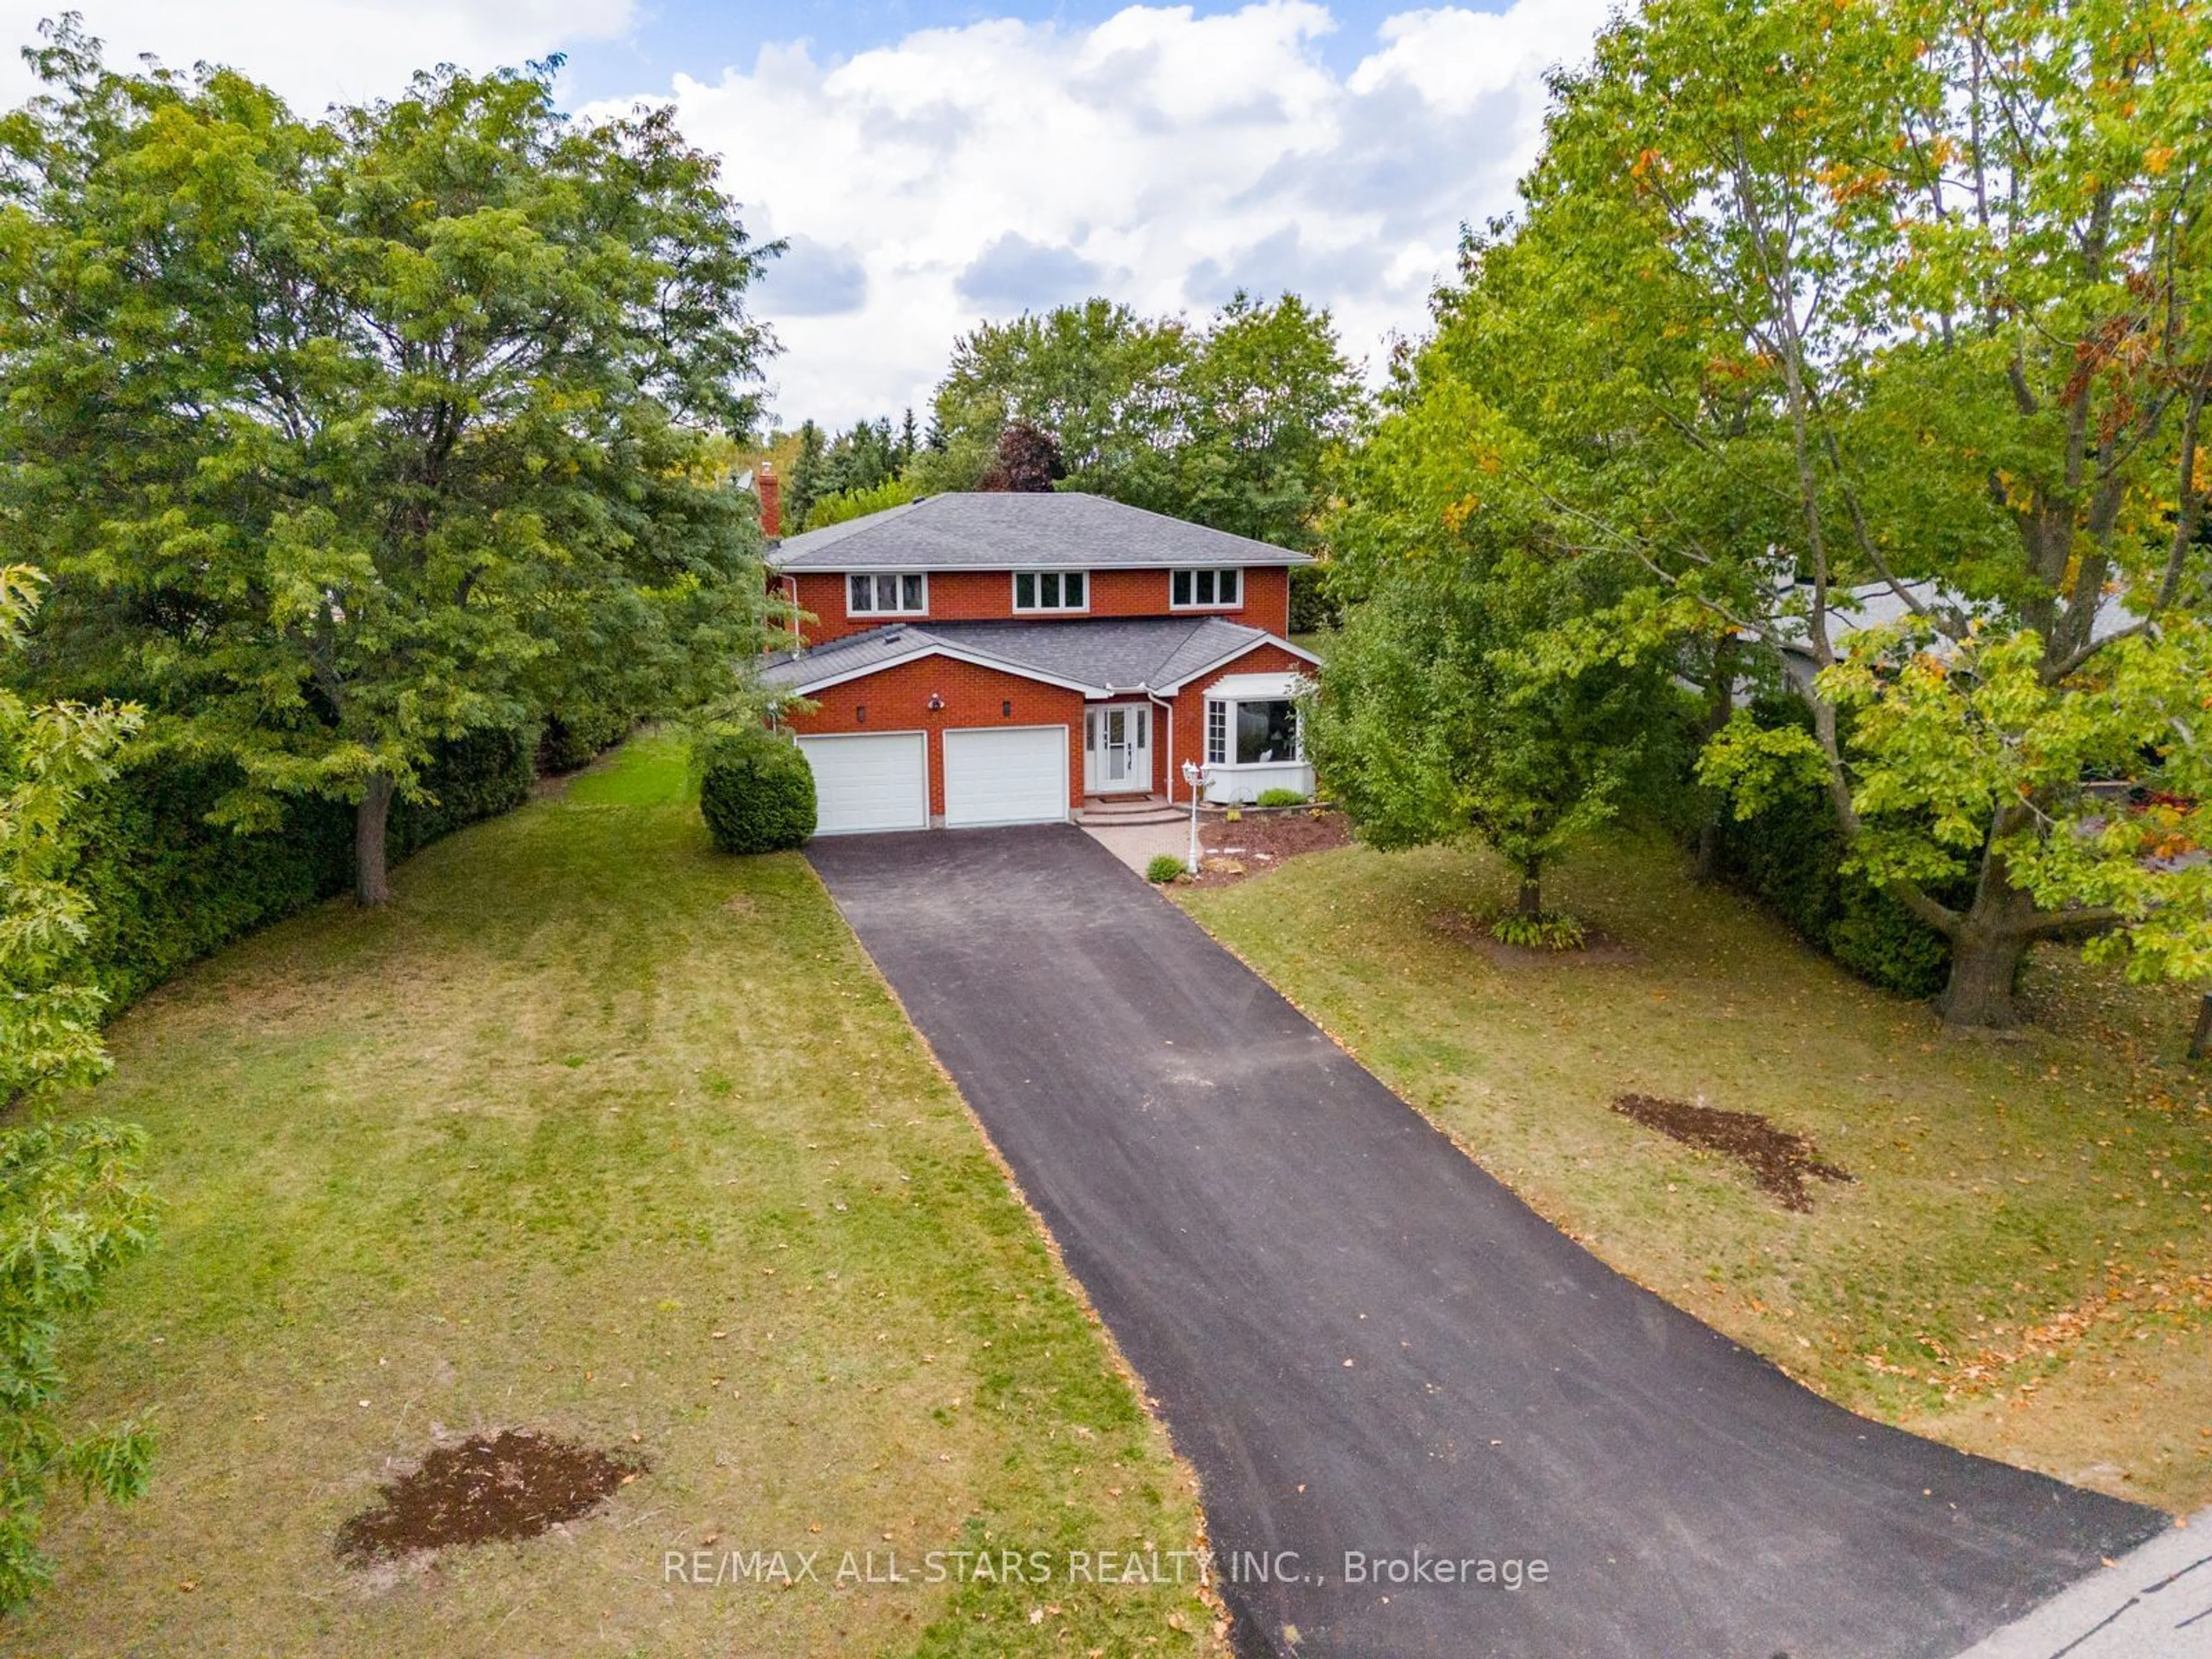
1115	746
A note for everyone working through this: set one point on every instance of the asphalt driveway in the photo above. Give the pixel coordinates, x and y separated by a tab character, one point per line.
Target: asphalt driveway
1370	1348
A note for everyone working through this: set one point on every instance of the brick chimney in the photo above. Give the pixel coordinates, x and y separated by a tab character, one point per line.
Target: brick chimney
770	489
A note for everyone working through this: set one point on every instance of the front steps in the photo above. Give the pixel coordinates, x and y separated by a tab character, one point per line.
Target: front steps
1105	810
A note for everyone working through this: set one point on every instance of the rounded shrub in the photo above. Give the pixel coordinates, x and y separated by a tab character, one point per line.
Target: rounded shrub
1281	798
755	791
1163	867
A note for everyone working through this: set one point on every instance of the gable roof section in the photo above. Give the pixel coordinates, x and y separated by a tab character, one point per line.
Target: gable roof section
1096	656
981	531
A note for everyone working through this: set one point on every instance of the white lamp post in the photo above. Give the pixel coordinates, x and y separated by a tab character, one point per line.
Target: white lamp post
1193	774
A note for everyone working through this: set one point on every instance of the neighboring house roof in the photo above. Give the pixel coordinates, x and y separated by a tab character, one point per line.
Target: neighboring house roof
1877	604
979	531
1094	655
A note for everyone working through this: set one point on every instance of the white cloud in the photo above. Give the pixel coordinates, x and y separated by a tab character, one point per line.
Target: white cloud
1161	156
316	52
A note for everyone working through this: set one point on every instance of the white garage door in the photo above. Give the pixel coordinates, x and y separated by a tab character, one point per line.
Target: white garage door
1005	774
877	780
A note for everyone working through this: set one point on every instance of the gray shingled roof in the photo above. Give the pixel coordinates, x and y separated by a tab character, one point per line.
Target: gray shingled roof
1101	654
991	531
787	670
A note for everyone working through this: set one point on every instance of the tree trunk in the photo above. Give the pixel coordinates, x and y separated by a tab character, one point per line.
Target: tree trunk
1708	866
1531	905
1982	965
1991	937
1719	707
370	888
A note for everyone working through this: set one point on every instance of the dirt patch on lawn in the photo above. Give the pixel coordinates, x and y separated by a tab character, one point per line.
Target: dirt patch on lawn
1779	1159
1598	948
1260	841
516	1483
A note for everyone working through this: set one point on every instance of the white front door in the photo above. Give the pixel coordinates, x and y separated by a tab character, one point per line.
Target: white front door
1117	748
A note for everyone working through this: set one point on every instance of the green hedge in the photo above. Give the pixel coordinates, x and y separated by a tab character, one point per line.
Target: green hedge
575	736
755	791
1791	855
477	776
167	887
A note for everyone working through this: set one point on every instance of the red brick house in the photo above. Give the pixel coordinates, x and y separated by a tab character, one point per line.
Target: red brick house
977	659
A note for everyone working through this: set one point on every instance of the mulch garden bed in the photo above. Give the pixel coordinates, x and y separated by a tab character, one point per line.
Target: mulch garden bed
516	1483
1779	1159
1259	841
1599	949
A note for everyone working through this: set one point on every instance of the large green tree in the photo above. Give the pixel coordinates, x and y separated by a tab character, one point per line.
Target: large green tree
1103	381
1267	398
1814	312
344	438
1230	424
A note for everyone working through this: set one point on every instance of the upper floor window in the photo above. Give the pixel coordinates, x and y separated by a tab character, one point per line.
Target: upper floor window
887	594
1049	590
1202	589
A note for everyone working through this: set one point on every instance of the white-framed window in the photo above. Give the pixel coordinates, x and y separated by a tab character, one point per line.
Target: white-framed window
1051	590
887	594
1252	732
1205	590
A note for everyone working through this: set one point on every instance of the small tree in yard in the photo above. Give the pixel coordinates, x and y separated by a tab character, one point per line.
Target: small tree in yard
338	435
71	1209
1429	724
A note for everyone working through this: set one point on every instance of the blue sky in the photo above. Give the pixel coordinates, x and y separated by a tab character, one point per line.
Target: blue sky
676	34
935	163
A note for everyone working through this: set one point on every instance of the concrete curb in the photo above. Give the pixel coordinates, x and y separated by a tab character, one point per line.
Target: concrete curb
2156	1602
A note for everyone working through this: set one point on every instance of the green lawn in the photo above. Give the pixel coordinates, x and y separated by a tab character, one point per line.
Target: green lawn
597	1131
2023	1265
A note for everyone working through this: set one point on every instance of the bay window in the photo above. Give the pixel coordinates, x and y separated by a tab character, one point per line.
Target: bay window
1252	742
1251	732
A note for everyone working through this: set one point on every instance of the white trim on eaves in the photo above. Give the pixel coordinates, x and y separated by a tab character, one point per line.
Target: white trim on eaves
1022	670
1175	687
803	565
